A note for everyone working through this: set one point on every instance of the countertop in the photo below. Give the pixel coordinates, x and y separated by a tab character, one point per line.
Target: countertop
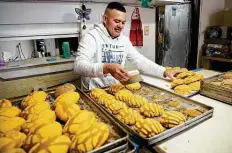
210	136
34	62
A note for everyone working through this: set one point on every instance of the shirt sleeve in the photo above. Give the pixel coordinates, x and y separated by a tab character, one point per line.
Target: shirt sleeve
143	63
83	64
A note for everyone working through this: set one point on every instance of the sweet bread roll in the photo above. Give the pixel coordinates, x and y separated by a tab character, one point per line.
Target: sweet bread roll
116	106
17	137
5	103
136	101
64	88
133	86
91	139
10	111
115	88
123	95
35	108
172	118
148	127
192	112
36	96
177	82
47	114
57	144
183	89
193	78
106	99
69	97
79	123
66	111
129	116
151	110
184	74
195	86
13	150
96	93
9	124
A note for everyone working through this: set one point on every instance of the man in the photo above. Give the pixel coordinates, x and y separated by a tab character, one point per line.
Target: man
103	51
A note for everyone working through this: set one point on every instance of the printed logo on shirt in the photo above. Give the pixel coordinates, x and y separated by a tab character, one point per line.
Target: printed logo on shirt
112	53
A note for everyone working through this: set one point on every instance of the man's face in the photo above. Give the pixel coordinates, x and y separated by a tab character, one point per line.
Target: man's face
114	21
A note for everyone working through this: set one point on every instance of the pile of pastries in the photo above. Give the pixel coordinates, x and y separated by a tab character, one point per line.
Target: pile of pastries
34	127
147	119
186	82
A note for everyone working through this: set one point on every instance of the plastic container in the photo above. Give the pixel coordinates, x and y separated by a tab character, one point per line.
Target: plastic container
66	50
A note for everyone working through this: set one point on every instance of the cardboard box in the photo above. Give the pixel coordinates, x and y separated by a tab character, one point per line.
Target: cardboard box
222	18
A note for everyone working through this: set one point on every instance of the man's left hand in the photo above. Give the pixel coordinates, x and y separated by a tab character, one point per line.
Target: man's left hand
171	73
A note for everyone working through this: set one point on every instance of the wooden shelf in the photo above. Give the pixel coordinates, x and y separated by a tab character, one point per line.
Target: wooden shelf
218	59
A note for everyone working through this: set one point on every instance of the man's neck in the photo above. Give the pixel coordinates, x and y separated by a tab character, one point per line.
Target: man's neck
109	33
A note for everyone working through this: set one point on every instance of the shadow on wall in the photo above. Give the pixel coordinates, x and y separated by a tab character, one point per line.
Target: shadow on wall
68	17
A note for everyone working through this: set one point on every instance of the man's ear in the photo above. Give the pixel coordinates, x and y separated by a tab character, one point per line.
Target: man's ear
104	18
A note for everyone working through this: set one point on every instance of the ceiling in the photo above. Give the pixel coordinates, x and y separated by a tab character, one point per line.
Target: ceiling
129	2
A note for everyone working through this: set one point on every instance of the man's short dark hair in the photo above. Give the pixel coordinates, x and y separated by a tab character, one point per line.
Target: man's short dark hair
117	6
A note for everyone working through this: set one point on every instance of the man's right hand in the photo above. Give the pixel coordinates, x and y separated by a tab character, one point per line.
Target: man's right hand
117	71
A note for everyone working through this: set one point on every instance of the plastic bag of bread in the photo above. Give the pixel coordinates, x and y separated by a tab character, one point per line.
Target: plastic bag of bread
5	103
69	97
64	88
9	124
46	114
57	144
79	123
35	108
34	97
91	139
66	111
10	111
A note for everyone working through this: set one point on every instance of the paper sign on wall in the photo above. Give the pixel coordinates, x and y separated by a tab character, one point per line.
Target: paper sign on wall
146	30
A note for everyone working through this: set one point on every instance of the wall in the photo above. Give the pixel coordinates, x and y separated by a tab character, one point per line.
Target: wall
208	8
46	14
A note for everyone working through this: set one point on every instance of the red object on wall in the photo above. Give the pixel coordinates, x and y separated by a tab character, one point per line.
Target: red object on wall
136	31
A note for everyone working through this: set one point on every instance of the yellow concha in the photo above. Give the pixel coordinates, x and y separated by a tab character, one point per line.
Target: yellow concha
128	116
123	95
57	144
30	125
172	118
10	111
46	114
13	150
18	137
182	89
137	101
14	123
91	139
69	97
79	123
133	86
36	96
148	127
151	110
35	108
7	143
115	88
116	106
5	103
42	131
96	93
195	86
66	111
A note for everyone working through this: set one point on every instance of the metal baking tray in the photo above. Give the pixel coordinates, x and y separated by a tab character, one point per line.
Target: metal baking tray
149	91
118	139
211	87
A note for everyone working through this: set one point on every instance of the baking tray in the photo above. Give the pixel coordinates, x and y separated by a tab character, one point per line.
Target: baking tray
149	91
211	87
118	139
